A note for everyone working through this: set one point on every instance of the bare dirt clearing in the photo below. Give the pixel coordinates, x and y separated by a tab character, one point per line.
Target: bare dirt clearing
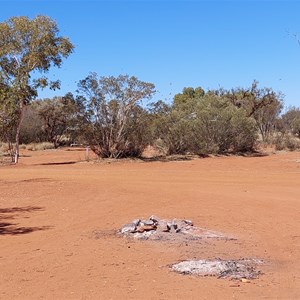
58	218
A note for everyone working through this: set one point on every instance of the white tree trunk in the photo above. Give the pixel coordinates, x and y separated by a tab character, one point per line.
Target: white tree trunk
17	151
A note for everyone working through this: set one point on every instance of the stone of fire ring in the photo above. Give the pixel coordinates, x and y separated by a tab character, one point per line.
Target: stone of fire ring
128	228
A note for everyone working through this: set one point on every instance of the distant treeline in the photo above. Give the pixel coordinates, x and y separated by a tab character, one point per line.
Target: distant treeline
109	113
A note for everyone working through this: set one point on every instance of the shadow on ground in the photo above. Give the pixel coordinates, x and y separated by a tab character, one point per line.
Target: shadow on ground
255	154
167	158
11	210
191	157
8	228
59	163
11	229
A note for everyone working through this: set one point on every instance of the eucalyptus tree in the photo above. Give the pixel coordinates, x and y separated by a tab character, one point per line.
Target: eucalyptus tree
262	104
8	121
58	117
28	49
115	119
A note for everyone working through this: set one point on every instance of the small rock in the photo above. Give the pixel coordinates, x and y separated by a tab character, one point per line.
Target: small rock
136	222
128	228
187	228
174	228
148	222
244	280
169	225
143	228
155	219
189	222
162	226
183	224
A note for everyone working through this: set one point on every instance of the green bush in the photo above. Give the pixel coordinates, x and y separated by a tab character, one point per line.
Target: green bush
210	125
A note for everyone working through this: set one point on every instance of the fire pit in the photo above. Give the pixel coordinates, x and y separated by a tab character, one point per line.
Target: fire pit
155	228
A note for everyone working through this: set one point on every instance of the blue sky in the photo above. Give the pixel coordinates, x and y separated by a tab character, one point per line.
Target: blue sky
175	44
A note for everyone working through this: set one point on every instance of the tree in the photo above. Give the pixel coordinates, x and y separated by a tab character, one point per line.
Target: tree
8	121
58	116
262	104
221	127
31	128
114	120
170	129
204	123
291	121
188	98
28	49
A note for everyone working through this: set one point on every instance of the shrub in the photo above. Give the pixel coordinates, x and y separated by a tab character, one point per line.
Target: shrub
291	121
286	142
211	125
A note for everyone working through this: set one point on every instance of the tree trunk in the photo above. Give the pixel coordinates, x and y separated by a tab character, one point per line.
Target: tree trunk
17	152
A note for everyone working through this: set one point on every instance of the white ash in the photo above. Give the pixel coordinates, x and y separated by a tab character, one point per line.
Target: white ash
231	269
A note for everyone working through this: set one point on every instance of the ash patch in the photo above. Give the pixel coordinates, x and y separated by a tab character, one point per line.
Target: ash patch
158	229
231	269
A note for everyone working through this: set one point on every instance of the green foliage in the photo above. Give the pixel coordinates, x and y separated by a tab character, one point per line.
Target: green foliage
27	46
291	121
173	130
53	120
209	124
262	104
108	113
221	127
115	123
188	98
58	117
8	121
28	49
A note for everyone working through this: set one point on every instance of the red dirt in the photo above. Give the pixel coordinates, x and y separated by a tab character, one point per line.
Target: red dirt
57	219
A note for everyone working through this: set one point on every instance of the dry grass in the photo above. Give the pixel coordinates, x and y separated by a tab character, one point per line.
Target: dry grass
3	149
286	142
38	146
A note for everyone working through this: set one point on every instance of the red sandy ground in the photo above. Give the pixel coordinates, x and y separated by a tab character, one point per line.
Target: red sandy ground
69	212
